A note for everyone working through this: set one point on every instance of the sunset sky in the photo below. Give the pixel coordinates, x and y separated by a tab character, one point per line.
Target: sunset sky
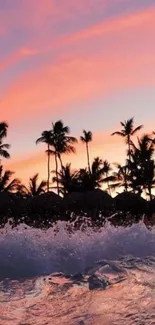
90	63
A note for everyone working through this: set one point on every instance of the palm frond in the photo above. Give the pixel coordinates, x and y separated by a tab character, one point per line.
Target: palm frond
86	137
138	128
118	133
13	185
3	129
4	153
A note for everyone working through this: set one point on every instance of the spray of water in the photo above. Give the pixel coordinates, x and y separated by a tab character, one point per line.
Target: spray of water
28	252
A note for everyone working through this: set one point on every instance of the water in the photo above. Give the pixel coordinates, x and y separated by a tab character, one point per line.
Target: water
121	261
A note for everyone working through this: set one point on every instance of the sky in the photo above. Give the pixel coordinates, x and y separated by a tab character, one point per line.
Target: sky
90	63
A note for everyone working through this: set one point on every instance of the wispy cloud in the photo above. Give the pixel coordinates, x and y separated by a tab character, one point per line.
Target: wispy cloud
73	80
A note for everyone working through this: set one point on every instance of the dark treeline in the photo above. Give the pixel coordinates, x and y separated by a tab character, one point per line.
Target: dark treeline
79	191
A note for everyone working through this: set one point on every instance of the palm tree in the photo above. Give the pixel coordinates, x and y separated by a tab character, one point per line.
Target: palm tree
80	180
93	179
86	138
6	184
62	143
3	129
46	137
145	148
149	178
3	152
67	179
4	146
142	164
33	189
127	132
58	142
119	178
106	170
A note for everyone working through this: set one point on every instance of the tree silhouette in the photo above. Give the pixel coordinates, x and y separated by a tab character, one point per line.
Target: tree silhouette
90	180
46	137
142	165
86	138
67	180
33	189
62	143
119	178
4	146
106	170
127	132
80	180
6	184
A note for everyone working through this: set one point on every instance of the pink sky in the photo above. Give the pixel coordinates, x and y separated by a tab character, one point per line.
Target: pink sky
90	63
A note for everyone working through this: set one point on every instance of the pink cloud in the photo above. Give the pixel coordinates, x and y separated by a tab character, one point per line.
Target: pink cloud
17	56
134	20
74	80
139	25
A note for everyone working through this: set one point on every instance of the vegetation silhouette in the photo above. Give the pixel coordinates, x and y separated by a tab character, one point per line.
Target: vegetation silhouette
3	146
86	138
80	192
127	132
58	142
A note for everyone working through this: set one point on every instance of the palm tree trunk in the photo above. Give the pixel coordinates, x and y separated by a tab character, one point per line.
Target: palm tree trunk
48	168
125	181
125	185
56	171
60	161
129	148
88	158
108	184
150	192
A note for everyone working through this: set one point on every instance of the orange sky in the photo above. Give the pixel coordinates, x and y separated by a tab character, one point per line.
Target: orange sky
103	145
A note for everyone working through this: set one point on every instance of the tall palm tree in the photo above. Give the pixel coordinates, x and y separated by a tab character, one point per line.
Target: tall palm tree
6	184
46	137
106	170
34	188
86	138
127	132
62	143
4	146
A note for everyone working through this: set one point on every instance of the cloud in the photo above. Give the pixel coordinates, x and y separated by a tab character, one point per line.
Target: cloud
35	13
17	56
131	21
73	80
143	23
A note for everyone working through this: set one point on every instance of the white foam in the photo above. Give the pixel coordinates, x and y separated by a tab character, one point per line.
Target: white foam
33	252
